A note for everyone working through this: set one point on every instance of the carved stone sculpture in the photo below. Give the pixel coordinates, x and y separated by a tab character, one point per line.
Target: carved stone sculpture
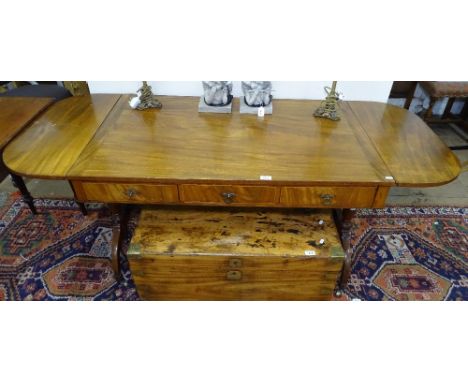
217	93
257	93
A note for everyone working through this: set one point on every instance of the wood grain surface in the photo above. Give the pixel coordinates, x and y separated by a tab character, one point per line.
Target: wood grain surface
235	254
329	197
229	194
178	143
16	113
170	231
99	138
202	278
414	154
54	141
126	193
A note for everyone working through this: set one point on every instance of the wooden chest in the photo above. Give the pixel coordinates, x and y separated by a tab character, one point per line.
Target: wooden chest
235	254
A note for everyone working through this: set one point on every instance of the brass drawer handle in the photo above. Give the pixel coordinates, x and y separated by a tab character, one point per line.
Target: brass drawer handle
234	275
228	197
131	192
327	199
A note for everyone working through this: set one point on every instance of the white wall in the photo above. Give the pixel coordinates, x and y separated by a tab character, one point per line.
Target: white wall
352	90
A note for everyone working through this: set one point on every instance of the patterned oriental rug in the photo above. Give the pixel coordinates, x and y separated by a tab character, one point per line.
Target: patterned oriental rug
409	254
59	254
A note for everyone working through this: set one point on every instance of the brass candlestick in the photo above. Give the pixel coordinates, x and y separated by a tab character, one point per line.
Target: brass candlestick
329	107
147	98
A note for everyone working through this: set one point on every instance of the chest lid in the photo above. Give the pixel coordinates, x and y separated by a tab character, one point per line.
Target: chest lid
241	232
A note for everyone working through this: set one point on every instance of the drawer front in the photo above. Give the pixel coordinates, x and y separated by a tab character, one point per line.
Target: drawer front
128	193
229	195
234	277
337	197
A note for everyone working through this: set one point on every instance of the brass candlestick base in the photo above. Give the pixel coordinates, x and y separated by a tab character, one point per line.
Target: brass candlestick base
329	107
147	98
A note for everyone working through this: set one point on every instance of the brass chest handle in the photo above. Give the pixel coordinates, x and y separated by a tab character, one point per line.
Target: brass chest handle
234	275
228	197
235	263
327	199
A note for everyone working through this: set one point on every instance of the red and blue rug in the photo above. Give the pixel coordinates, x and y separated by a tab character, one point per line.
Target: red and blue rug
409	254
59	254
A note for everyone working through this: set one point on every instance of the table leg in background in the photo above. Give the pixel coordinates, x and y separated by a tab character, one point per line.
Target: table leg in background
18	182
83	209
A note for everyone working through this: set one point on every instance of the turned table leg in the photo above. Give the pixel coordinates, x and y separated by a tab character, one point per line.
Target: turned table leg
18	182
448	108
432	102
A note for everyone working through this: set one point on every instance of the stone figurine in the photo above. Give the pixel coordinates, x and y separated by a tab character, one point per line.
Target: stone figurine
257	93
217	93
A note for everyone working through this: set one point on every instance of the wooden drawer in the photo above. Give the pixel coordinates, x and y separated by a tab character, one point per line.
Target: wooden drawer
127	193
229	195
235	254
328	197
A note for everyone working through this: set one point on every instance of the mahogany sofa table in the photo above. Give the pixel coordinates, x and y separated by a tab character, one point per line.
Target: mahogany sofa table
111	153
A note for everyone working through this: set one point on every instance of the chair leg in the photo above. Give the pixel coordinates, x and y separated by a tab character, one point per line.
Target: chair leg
448	108
18	182
410	95
431	107
464	112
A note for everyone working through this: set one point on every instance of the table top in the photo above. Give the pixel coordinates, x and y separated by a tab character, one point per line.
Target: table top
100	137
16	113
